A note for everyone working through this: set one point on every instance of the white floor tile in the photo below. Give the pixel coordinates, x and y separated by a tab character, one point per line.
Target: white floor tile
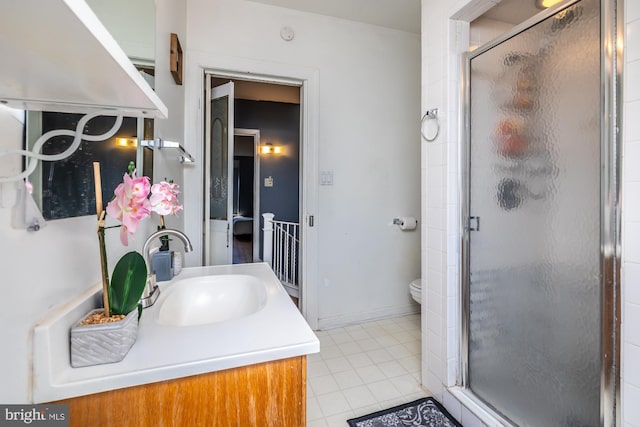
369	344
386	340
317	423
359	334
350	348
392	369
359	397
347	379
359	360
406	384
366	410
317	369
404	336
341	338
370	374
329	352
399	351
380	356
413	346
384	391
313	410
411	363
339	420
325	340
333	403
363	369
338	364
324	384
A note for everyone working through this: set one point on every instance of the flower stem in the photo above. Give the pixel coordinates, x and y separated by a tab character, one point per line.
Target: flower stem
103	264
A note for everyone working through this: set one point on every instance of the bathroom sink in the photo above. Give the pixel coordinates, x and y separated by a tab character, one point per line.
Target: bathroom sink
211	299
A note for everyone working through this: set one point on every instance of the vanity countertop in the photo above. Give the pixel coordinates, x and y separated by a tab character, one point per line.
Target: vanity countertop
164	352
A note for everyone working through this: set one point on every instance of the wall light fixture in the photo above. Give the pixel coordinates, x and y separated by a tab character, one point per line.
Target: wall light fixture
269	148
126	142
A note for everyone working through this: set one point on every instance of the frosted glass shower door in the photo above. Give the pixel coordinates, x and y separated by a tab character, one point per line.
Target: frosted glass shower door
533	294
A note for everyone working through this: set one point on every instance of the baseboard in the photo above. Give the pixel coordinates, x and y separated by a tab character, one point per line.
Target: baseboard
367	316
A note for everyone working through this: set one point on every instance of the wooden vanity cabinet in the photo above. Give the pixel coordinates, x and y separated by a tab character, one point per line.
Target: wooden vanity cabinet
265	394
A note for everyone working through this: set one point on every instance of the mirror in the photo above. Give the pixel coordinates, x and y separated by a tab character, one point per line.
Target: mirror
64	188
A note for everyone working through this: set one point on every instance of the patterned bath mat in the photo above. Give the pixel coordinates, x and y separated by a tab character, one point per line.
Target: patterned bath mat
421	413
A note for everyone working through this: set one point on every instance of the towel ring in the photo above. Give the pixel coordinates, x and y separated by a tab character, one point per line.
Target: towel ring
432	115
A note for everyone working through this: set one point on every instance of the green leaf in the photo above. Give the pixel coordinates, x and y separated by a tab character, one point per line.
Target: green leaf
127	283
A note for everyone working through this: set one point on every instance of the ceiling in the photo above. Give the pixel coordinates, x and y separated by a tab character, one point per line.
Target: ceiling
401	15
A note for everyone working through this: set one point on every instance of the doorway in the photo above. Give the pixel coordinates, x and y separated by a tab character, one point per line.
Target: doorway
253	165
246	193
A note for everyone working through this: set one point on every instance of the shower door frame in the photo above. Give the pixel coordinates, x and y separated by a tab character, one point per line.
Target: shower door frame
611	61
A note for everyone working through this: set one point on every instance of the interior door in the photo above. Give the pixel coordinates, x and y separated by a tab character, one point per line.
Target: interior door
218	212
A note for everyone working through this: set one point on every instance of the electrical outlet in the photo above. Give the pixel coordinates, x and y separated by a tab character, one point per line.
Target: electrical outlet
268	182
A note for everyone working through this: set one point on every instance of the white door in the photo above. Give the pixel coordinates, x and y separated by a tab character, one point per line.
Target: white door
218	206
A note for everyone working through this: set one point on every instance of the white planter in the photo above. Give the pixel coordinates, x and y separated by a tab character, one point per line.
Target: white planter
102	343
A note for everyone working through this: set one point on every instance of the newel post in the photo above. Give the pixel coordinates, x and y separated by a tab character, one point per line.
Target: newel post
267	239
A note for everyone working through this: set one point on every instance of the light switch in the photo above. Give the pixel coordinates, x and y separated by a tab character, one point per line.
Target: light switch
268	182
326	177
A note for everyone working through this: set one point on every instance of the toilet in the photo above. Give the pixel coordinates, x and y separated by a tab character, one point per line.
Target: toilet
415	289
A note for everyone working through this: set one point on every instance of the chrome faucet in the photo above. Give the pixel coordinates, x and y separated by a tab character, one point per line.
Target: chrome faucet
151	290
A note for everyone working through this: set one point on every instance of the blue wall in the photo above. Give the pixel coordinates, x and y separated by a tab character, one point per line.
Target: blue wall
279	123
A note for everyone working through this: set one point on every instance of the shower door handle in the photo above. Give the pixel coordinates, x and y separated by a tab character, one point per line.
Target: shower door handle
473	219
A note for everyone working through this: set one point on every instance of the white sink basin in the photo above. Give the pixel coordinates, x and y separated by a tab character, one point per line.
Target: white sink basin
211	299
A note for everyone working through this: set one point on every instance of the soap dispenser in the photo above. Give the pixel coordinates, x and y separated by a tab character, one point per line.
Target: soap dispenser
162	261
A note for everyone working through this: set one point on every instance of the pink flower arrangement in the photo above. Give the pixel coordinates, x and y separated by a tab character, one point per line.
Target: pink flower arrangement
131	203
164	198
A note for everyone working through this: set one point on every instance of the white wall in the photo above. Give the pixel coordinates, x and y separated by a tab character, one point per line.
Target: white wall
367	134
44	269
443	40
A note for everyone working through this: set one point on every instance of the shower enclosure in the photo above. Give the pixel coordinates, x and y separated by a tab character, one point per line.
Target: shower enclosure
540	257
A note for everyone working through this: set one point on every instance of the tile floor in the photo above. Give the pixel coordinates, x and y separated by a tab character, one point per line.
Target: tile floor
362	369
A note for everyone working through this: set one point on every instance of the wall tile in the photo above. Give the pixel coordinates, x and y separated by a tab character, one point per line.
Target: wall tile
632	201
435	238
631	122
631	242
436	197
435	153
434	385
434	302
631	327
434	323
631	283
435	260
631	155
452	405
632	85
631	367
452	372
434	364
436	217
452	311
434	281
632	50
631	408
452	342
436	347
631	11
